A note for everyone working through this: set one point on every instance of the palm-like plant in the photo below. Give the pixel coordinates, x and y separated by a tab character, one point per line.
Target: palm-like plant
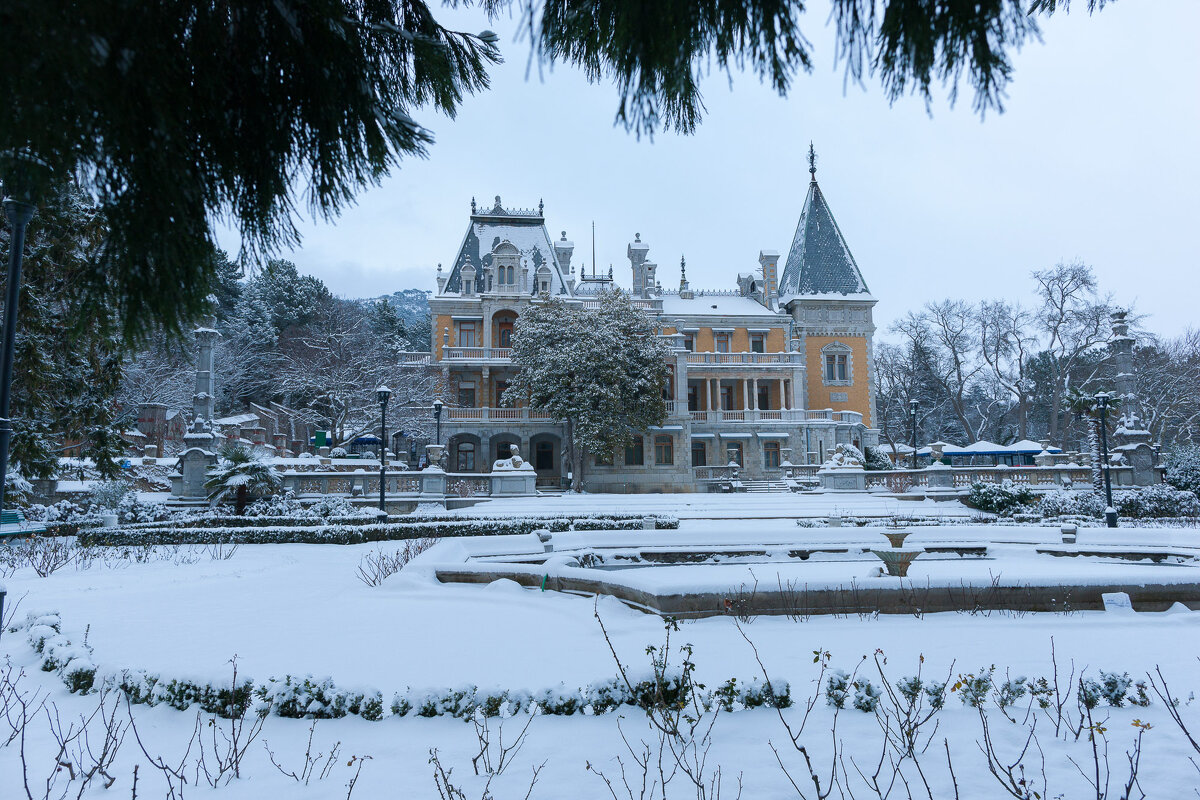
242	474
1083	405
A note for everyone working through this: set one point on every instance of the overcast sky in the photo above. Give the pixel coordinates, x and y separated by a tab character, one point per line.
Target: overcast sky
1097	157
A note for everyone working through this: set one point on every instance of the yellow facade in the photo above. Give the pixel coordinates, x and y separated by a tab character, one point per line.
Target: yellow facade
858	392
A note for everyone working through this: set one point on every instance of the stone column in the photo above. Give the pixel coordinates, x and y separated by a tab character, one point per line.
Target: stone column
1130	439
708	394
754	393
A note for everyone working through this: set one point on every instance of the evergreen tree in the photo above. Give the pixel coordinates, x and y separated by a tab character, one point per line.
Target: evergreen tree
601	372
181	114
68	354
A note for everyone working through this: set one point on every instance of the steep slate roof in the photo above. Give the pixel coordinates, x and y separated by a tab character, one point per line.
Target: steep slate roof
526	230
819	262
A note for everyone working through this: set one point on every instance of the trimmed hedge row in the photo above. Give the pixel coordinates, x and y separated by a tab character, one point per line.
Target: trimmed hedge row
338	533
320	698
231	521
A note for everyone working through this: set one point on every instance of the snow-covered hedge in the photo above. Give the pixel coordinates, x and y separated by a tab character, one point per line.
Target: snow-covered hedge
271	531
1154	502
1004	498
320	698
1062	503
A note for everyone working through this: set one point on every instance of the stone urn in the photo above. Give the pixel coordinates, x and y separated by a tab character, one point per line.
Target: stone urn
898	559
434	453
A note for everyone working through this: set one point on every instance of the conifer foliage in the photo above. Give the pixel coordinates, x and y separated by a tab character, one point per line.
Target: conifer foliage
600	371
68	355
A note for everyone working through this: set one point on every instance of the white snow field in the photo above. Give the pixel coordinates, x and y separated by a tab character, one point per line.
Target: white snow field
300	610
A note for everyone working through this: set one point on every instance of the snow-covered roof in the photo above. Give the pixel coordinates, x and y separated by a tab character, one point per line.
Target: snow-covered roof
525	230
983	446
701	304
1029	446
238	419
819	261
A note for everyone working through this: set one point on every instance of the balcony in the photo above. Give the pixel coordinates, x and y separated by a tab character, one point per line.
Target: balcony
496	414
477	355
745	359
778	415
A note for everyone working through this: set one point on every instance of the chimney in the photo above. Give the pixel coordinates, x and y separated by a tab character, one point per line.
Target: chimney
769	260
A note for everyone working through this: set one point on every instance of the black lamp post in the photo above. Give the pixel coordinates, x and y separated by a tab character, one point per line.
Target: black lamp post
912	411
20	173
1110	514
437	421
383	394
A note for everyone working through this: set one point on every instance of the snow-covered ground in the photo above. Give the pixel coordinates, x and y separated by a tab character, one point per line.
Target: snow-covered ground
299	609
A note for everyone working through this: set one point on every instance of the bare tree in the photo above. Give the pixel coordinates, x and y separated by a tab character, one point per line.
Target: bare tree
1168	387
1073	319
1006	342
945	333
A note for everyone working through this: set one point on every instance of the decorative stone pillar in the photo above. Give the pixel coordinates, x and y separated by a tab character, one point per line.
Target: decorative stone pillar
187	488
1130	440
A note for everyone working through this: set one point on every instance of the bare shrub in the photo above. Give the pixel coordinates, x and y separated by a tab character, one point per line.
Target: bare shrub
315	763
45	554
377	565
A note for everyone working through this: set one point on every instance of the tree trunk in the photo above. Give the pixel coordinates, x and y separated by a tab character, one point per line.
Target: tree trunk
576	458
241	501
1023	417
1094	443
1056	398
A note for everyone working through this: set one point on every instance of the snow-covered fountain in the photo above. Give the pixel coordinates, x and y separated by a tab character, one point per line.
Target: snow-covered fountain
899	558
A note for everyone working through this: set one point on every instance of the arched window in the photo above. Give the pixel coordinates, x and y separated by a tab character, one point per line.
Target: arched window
836	365
466	457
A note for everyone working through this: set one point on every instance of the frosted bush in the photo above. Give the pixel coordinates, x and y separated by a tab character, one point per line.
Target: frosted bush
336	506
1160	500
866	696
1113	687
837	688
1059	503
974	689
1011	691
1005	498
62	511
279	505
131	510
1183	468
109	494
338	452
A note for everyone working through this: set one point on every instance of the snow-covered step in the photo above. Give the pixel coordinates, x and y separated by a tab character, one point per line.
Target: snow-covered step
764	486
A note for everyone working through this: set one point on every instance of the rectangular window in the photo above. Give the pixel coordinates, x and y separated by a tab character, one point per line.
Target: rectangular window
466	395
699	454
758	343
771	455
466	457
841	369
722	342
830	368
467	334
664	450
635	455
727	398
764	398
693	398
501	388
689	342
837	368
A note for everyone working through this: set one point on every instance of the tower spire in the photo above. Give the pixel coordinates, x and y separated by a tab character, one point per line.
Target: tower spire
812	162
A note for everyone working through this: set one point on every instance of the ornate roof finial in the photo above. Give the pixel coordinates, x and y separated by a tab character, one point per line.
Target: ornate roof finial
610	272
541	206
472	205
439	266
637	237
682	267
499	209
812	162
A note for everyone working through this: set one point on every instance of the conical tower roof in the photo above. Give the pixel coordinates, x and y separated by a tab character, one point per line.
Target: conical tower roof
819	261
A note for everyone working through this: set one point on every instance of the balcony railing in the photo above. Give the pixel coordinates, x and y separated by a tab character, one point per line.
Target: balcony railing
745	359
504	414
476	353
414	358
778	415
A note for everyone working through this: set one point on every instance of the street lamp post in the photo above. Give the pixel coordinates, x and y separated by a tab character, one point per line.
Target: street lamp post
1110	514
912	410
383	394
437	421
21	171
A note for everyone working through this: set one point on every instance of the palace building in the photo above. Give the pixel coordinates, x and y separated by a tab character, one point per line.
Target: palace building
777	369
